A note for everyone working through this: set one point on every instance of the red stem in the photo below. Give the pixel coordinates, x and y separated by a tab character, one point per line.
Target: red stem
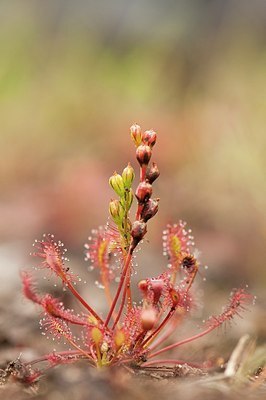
177	344
74	322
192	279
162	324
164	336
129	296
83	302
106	287
122	280
122	303
143	173
143	170
139	211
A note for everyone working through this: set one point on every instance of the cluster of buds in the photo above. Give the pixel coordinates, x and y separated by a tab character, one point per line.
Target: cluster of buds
119	208
147	206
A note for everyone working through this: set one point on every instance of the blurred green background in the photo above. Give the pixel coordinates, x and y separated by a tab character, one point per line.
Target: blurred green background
74	75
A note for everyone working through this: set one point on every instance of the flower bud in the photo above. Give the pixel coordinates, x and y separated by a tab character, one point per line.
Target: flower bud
157	286
143	285
128	225
150	209
138	231
143	192
117	184
128	176
116	211
152	173
149	138
136	134
148	318
129	198
143	154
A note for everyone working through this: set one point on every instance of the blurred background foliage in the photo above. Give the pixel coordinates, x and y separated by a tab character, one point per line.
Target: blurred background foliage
74	75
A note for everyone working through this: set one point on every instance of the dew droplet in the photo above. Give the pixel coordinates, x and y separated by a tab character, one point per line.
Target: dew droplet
99	285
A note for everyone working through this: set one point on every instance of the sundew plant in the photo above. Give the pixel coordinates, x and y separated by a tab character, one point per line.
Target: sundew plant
130	334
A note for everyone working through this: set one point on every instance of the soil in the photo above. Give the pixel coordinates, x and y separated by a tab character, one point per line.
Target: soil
20	334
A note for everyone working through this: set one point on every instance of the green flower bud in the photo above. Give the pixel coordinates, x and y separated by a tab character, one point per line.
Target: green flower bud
117	184
127	200
128	176
130	198
116	211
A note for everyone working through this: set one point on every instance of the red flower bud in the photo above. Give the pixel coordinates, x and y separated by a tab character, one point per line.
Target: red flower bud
143	192
143	154
152	173
138	231
148	318
149	138
157	286
143	285
150	209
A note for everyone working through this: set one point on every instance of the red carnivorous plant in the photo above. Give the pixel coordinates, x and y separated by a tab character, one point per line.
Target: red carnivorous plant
131	334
